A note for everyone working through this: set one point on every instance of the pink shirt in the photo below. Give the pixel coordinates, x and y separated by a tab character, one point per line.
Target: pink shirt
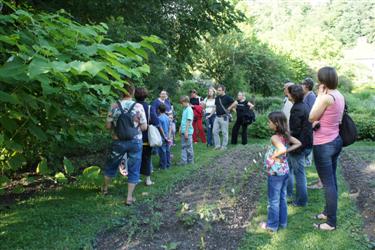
330	121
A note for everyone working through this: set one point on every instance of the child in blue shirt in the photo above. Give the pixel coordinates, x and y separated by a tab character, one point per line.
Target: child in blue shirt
164	150
186	131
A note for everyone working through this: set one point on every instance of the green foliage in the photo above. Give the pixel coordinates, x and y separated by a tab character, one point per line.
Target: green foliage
43	168
68	166
91	176
267	104
60	178
365	125
242	62
57	79
259	128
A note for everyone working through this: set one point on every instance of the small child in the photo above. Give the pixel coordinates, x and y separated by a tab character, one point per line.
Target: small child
277	169
186	131
164	150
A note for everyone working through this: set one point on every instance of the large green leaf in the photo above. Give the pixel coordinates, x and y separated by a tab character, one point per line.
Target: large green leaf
37	132
60	177
5	97
68	166
42	168
13	70
9	124
91	67
39	66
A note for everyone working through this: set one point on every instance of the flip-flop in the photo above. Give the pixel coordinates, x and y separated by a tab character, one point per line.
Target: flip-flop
149	184
319	227
320	216
315	186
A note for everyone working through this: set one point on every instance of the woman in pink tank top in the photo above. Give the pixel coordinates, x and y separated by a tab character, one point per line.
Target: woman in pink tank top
326	115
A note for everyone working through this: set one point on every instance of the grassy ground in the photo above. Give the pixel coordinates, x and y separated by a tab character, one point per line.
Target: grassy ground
300	233
70	218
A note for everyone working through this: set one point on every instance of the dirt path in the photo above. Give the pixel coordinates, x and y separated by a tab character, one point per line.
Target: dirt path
209	210
359	171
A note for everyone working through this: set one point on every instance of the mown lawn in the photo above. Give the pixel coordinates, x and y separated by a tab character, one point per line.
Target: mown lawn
300	233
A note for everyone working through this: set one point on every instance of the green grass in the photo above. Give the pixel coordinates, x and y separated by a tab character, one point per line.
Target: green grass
71	217
300	233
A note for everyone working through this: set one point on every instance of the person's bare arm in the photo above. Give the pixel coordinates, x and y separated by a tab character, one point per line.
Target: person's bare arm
295	143
280	147
213	112
108	125
250	105
321	103
143	126
232	106
186	133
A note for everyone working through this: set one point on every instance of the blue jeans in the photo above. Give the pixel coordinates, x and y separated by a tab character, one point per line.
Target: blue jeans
165	156
187	151
325	157
133	148
277	206
210	126
296	163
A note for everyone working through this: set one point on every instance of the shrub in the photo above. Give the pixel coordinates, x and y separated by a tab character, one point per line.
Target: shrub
259	129
365	125
268	104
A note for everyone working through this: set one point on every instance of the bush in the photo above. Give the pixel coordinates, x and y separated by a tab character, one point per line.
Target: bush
365	125
259	129
268	104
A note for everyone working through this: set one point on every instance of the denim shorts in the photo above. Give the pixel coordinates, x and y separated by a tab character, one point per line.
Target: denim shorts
133	148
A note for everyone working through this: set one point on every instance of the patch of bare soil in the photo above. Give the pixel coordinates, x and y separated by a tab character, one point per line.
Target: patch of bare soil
210	210
359	172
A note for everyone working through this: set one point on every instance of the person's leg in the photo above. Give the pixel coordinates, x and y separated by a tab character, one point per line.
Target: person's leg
208	127
323	157
212	120
146	164
235	130
183	150
224	129
190	150
168	155
290	185
134	150
244	134
283	214
274	184
117	150
216	131
163	157
195	133
201	131
297	161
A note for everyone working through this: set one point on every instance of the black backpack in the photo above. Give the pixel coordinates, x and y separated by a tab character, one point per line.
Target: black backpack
348	130
125	129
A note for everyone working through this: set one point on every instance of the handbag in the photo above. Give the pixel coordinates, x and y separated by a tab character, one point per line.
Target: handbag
154	137
348	129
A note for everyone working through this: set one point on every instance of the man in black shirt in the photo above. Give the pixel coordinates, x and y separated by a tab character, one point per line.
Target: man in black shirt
223	106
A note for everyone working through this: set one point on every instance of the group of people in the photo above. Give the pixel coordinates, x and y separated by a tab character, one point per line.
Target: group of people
307	124
135	153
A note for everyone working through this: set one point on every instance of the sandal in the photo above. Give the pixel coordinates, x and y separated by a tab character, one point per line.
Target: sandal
324	227
130	202
263	225
320	216
149	183
104	191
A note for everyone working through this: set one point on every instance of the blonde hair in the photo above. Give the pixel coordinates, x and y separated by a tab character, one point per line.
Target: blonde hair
184	98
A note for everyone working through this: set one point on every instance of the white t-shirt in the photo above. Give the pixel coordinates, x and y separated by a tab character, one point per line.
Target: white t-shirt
287	107
210	105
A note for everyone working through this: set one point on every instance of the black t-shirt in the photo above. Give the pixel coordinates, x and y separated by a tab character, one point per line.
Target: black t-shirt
242	108
195	101
226	101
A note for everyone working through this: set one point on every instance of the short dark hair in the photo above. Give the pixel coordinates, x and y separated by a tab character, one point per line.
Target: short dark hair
328	77
309	83
140	94
162	108
129	88
221	86
193	91
296	92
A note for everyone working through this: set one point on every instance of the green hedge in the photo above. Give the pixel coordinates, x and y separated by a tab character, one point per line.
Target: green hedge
365	125
268	104
259	129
